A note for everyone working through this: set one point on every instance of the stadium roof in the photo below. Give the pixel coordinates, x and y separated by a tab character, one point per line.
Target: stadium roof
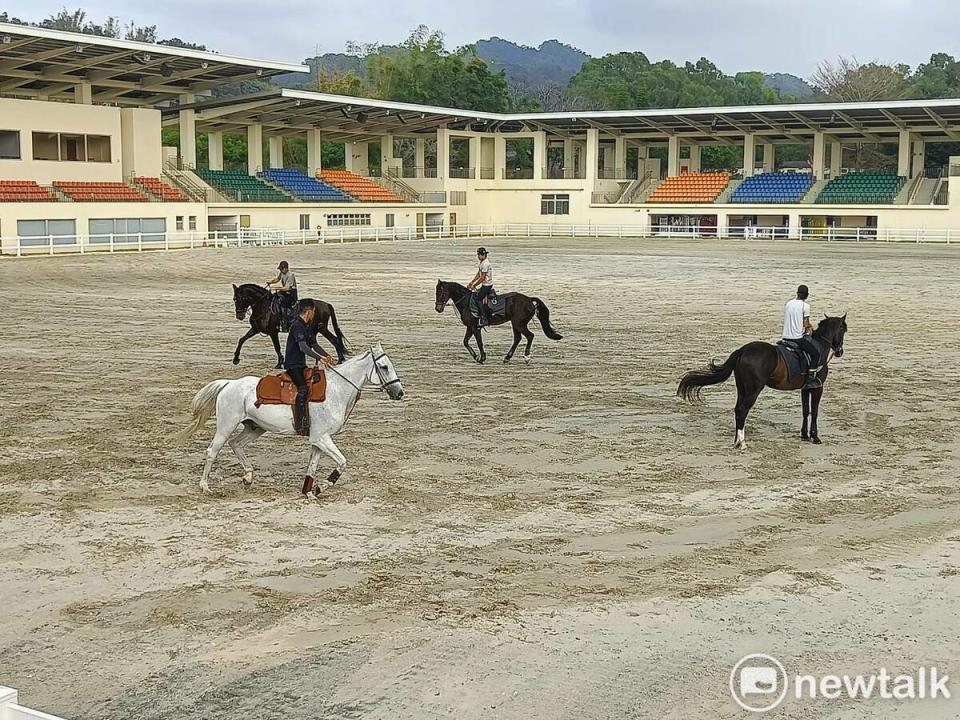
341	117
37	61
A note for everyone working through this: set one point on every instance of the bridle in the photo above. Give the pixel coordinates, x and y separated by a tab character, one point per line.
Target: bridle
384	383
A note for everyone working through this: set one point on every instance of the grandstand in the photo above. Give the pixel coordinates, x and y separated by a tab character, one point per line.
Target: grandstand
81	150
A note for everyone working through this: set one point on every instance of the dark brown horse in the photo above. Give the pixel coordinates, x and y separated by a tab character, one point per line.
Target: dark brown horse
757	365
519	311
264	319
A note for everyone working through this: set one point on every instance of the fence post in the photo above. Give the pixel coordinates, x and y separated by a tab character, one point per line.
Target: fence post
19	247
858	234
166	241
50	241
139	242
948	236
112	240
80	243
191	239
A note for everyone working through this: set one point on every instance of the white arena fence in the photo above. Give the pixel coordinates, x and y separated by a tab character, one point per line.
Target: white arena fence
140	242
10	709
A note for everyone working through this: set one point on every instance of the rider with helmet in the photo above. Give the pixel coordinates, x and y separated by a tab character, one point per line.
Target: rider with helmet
484	281
301	344
798	331
285	286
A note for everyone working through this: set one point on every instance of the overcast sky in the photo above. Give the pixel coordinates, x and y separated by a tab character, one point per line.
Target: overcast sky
772	35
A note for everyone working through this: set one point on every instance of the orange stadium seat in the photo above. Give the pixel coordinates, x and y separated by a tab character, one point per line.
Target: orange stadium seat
159	189
690	188
100	192
358	186
24	191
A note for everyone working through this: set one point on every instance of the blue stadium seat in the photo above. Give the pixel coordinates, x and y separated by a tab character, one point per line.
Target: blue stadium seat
304	186
779	188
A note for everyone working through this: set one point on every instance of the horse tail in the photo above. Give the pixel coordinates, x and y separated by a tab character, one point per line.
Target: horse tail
344	343
690	384
543	315
203	405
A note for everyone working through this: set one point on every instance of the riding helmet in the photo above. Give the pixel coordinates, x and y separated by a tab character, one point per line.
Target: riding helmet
802	292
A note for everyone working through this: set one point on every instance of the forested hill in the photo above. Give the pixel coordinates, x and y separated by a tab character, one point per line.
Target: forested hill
551	62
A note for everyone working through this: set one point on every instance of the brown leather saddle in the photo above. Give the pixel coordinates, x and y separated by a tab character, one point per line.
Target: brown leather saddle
281	390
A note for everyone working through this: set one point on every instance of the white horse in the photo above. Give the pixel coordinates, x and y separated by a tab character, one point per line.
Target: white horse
240	421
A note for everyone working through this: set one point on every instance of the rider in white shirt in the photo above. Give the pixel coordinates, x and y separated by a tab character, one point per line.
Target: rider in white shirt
797	329
484	280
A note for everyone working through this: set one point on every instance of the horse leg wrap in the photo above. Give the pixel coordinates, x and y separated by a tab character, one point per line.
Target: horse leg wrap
307	484
333	477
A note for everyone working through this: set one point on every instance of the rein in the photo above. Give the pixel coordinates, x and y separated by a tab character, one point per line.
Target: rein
384	384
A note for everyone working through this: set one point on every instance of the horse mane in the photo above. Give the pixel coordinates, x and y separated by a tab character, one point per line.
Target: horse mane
828	326
259	290
454	284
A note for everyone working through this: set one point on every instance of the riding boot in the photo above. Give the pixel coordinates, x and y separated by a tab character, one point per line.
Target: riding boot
812	382
301	414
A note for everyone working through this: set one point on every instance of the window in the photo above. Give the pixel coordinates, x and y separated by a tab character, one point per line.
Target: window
46	146
458	197
179	222
127	230
9	144
390	220
348	219
98	148
554	204
71	147
38	232
304	221
193	222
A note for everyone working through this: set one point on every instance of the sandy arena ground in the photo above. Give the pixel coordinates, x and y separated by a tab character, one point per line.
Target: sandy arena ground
558	540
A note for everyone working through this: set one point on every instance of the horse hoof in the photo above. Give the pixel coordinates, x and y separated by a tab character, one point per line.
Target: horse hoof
236	361
248	479
307	485
804	437
526	359
816	441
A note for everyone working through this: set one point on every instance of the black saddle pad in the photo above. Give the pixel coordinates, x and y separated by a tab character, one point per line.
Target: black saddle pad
496	303
796	360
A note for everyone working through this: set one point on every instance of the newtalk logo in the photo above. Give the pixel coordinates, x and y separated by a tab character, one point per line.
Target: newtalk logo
759	683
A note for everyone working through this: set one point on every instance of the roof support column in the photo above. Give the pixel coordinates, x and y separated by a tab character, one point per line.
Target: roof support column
819	151
499	157
314	153
419	156
591	159
83	93
673	156
836	158
475	163
443	152
569	152
903	154
620	157
254	148
919	157
539	154
215	150
695	158
356	157
276	151
387	160
188	134
769	157
749	154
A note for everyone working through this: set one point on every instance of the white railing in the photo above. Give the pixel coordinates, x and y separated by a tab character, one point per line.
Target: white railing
139	242
11	710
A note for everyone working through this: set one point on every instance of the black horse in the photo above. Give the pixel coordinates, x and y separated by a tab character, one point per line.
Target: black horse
759	364
265	319
519	310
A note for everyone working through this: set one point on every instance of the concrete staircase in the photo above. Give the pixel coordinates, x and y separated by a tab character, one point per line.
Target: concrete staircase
644	191
814	192
907	191
926	192
724	197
